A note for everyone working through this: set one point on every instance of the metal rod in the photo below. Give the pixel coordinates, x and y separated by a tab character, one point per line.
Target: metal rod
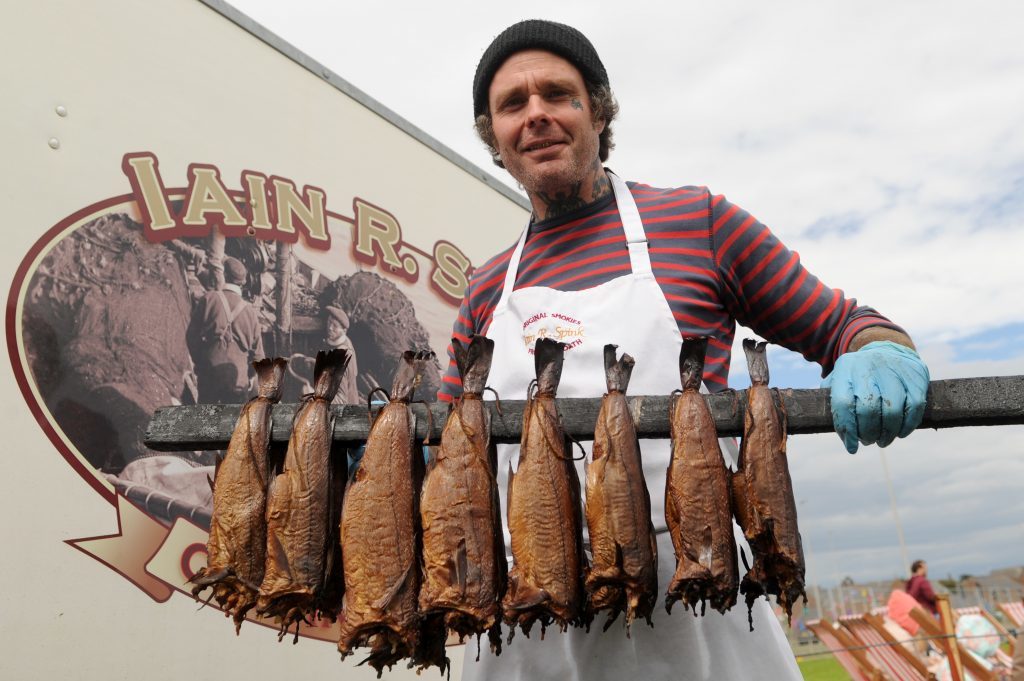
895	513
951	403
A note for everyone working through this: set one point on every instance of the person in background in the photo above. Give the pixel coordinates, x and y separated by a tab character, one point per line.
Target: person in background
920	588
224	337
642	267
337	339
903	626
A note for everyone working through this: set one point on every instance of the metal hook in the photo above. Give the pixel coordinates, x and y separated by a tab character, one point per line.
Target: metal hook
369	401
672	397
370	394
497	401
430	420
579	444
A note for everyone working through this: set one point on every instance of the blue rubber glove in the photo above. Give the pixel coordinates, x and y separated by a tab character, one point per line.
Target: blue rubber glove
878	394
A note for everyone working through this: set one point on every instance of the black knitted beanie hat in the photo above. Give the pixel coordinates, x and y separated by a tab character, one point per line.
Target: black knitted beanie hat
565	41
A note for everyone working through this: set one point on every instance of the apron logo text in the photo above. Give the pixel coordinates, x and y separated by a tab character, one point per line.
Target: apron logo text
556	326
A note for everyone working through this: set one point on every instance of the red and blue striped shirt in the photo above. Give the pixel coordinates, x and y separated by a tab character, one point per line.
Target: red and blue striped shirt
715	264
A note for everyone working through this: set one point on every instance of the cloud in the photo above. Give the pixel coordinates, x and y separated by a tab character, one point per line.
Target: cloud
956	491
841	225
999	343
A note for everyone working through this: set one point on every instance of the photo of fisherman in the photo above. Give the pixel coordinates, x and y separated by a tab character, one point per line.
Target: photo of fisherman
337	325
224	337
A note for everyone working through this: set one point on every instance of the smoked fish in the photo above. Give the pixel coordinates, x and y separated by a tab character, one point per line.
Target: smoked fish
697	502
236	550
763	493
464	564
299	539
381	538
545	516
624	573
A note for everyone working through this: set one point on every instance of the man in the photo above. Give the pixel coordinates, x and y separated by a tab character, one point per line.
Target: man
604	261
920	588
224	337
898	609
337	338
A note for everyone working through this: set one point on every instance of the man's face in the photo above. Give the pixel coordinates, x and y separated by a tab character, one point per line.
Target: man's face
335	331
542	121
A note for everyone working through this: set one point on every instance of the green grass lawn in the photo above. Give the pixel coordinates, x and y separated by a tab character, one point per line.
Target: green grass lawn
822	668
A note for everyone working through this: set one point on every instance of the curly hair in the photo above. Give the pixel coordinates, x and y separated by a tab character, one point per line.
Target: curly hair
602	106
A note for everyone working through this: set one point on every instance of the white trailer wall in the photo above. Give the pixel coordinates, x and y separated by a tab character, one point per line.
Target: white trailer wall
85	84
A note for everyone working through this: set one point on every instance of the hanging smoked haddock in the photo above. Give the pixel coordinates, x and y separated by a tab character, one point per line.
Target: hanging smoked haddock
624	574
697	506
236	548
380	533
763	493
299	539
544	512
464	565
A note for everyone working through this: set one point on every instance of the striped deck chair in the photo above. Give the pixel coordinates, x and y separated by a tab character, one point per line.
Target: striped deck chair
846	651
1003	633
1015	611
972	665
885	651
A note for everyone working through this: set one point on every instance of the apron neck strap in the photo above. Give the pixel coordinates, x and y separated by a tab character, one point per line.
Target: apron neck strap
513	269
636	239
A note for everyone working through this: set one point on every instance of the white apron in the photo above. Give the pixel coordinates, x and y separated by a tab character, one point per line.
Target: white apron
630	311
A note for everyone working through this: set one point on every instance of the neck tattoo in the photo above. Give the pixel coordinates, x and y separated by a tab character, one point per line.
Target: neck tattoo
601	186
575	197
561	203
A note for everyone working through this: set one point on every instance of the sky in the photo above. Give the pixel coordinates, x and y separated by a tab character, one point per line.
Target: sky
882	141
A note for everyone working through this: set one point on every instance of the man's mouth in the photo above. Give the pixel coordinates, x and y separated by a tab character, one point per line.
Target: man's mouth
537	146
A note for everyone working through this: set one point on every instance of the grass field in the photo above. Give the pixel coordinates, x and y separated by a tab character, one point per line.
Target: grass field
822	668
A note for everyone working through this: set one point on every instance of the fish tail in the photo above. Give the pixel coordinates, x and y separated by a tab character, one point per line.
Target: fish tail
691	361
617	372
409	374
474	362
757	360
328	371
548	357
269	374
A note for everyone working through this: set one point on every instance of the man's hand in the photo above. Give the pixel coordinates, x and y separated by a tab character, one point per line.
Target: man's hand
878	394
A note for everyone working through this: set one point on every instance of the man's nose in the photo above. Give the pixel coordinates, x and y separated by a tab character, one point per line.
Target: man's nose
537	111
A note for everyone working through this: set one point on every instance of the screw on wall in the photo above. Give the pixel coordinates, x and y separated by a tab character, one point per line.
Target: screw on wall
61	111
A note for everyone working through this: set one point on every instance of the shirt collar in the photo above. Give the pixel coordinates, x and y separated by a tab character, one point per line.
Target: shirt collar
582	212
